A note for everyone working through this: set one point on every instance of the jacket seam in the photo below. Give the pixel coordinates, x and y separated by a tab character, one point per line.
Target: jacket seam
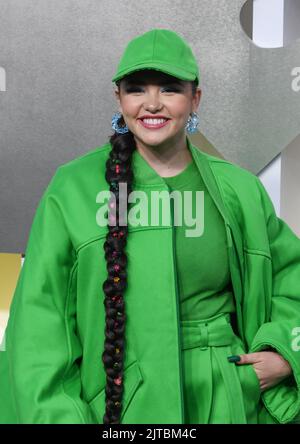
69	348
257	252
247	250
100	236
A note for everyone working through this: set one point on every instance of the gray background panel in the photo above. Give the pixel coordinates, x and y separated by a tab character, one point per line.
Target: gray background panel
60	56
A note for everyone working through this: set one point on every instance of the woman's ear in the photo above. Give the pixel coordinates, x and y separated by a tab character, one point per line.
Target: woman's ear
117	94
197	98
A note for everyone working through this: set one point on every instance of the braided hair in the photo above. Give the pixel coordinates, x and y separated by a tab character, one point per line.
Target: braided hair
118	170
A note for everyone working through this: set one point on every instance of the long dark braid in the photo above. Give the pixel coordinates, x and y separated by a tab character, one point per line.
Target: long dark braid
118	170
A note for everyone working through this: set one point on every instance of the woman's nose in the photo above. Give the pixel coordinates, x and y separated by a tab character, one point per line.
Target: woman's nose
152	107
152	100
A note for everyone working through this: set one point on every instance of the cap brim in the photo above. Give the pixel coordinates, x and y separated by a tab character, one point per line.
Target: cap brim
168	69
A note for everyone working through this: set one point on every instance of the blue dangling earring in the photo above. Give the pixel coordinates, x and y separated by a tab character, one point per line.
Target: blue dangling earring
115	126
192	124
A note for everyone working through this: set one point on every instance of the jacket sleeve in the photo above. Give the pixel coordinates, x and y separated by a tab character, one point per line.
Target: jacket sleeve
43	350
282	332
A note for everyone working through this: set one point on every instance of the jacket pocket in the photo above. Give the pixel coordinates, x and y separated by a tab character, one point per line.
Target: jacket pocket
132	380
248	378
256	383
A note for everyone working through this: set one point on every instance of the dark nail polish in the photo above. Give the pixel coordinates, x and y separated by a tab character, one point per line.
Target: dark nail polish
234	358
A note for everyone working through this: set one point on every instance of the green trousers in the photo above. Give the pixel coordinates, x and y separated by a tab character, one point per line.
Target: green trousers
215	390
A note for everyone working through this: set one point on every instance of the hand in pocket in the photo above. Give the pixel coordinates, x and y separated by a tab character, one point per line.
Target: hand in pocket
269	366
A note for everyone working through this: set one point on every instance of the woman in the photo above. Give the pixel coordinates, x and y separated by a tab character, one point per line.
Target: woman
142	322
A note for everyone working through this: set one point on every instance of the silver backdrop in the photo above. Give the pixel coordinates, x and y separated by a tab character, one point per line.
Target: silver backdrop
60	55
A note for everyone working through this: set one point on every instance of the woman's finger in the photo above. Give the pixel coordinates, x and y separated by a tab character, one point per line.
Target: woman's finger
247	358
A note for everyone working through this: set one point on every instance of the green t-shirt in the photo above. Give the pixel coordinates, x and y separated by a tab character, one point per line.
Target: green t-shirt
204	280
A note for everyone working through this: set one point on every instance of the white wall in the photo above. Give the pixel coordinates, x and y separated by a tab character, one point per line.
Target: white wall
3	323
271	178
290	185
268	23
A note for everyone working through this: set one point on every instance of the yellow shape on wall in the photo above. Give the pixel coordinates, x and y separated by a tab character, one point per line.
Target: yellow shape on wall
10	267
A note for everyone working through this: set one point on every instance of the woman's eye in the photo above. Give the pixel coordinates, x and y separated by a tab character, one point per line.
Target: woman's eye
135	89
171	89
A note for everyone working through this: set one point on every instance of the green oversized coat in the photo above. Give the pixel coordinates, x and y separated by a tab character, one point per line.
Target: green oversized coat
51	368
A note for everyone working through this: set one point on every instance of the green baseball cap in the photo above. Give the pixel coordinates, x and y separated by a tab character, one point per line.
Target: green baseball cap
160	49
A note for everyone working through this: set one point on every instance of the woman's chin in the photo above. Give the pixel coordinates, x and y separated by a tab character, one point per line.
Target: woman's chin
151	138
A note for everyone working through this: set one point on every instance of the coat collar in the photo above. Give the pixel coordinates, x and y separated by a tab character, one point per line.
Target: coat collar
146	177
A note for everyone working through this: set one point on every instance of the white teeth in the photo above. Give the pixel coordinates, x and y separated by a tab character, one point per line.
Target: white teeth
154	121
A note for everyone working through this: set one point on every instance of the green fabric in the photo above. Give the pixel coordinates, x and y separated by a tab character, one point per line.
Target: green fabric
206	300
202	261
50	364
215	390
160	49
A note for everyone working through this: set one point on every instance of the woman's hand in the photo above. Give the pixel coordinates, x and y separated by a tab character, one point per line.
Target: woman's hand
269	366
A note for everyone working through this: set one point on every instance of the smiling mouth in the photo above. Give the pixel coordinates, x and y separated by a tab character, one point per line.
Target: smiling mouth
154	123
